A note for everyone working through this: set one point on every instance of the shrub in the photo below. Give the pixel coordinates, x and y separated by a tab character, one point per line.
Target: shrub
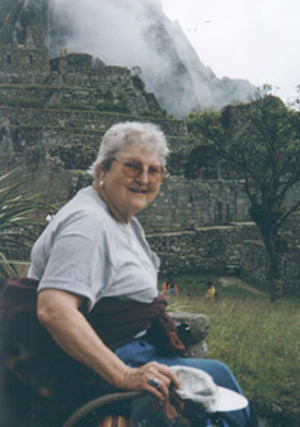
19	225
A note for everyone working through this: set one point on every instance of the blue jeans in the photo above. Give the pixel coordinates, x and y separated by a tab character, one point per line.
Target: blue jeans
139	352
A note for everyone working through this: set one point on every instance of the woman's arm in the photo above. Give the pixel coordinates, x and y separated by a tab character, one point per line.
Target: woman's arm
59	312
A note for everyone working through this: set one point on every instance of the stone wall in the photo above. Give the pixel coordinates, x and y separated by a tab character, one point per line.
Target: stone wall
68	139
184	204
206	249
254	264
33	62
110	89
233	249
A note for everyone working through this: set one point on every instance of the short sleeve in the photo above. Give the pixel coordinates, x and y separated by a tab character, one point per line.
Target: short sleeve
78	260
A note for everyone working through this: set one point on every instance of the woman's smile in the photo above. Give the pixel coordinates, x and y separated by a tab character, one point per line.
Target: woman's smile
131	183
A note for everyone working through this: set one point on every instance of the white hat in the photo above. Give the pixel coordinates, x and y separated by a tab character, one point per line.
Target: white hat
199	387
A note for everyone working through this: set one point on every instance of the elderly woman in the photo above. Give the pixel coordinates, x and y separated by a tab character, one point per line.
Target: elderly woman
93	251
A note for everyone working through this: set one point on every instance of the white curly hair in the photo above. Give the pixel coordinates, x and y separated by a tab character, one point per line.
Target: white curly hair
146	135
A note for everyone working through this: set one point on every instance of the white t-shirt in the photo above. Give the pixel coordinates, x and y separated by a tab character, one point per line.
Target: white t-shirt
84	250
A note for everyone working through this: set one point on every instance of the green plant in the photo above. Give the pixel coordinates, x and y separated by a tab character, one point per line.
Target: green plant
19	225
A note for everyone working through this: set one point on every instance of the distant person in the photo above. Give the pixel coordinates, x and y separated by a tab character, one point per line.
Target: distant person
170	287
211	293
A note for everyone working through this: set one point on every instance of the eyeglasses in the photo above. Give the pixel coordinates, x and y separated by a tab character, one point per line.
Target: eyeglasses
134	168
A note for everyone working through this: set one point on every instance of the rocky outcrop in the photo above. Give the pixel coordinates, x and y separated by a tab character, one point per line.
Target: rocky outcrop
193	327
23	23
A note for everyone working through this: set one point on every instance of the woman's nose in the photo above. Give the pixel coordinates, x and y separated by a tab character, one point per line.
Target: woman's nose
143	176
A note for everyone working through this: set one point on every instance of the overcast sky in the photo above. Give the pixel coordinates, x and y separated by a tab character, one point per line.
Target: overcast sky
258	40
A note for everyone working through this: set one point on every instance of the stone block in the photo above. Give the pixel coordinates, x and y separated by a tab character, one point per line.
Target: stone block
197	329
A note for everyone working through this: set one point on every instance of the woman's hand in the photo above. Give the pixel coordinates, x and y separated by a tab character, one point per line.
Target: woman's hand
152	377
58	312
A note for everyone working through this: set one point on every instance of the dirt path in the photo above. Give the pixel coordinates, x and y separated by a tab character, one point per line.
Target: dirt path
236	281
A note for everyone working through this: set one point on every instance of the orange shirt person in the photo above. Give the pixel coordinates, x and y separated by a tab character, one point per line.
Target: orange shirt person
170	287
211	293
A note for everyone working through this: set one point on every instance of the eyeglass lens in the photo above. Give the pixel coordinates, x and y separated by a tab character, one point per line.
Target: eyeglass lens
133	169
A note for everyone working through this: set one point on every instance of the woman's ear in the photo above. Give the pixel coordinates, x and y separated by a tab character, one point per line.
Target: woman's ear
100	172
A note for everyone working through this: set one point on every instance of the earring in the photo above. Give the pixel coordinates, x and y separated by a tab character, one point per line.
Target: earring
102	184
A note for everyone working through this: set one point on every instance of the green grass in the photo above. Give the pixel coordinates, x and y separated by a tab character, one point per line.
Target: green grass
259	341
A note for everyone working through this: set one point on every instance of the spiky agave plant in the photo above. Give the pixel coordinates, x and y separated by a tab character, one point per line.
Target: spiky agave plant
19	224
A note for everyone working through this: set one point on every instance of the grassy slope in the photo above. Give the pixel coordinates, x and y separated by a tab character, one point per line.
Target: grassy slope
260	342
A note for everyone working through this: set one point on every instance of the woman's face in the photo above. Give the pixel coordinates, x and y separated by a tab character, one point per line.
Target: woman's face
132	181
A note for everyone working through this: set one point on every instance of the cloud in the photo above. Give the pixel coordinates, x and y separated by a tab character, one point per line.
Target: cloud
120	32
252	39
112	30
137	33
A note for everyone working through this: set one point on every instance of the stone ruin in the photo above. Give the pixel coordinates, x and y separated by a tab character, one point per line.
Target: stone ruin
53	113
